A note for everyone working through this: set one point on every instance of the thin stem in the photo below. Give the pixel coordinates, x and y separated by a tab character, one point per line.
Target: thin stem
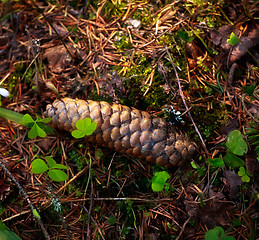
185	104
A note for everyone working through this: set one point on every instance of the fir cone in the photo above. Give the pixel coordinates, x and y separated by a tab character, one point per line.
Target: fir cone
124	129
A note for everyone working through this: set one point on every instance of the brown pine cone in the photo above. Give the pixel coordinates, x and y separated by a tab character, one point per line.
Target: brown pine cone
124	129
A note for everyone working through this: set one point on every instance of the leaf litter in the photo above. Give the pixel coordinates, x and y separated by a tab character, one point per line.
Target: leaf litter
96	56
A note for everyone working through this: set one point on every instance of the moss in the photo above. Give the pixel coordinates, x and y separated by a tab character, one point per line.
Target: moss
116	9
99	97
122	41
14	79
135	85
208	122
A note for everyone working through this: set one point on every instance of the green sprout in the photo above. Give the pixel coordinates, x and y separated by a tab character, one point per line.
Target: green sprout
216	162
233	39
38	126
185	36
85	127
249	90
159	181
217	233
36	214
237	147
244	174
39	166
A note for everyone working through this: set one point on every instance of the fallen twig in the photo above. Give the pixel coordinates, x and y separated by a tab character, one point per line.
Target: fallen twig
185	104
26	197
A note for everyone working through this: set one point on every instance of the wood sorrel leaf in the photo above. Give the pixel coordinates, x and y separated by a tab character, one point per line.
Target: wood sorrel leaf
57	175
159	180
236	144
38	166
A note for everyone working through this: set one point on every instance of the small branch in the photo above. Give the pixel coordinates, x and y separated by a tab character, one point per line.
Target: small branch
183	227
185	104
26	197
99	230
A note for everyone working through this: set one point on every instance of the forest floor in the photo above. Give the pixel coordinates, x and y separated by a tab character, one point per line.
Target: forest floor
125	52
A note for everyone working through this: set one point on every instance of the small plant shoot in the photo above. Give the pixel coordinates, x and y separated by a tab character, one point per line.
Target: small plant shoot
38	126
159	181
55	170
217	233
85	127
233	40
216	162
244	174
185	36
36	214
249	90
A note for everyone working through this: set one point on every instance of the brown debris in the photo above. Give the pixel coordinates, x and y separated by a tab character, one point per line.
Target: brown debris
249	39
108	195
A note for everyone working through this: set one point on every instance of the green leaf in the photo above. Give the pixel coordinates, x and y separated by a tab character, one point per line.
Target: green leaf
35	214
233	40
11	115
91	128
236	144
27	119
38	166
6	234
84	127
229	238
249	90
33	132
51	161
194	165
184	36
47	129
245	178
217	162
60	166
159	180
216	233
36	131
233	161
82	124
241	171
78	133
57	175
45	120
40	131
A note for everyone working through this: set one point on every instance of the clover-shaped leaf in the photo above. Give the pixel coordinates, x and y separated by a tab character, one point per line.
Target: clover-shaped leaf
243	173
35	131
85	127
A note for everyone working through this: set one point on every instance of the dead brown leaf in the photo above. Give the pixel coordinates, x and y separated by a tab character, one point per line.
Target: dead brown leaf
233	181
